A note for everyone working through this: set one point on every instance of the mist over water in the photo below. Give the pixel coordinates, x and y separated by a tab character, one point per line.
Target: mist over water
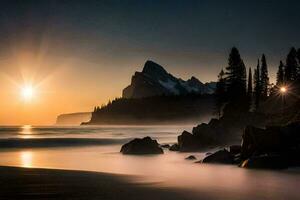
97	148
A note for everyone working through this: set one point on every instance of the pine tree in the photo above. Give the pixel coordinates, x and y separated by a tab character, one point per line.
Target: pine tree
257	88
220	93
291	67
280	75
298	70
250	90
236	81
264	77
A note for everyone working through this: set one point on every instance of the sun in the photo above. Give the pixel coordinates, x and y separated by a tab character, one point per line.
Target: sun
283	89
27	92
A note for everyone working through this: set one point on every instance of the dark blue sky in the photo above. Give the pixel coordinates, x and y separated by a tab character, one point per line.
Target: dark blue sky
188	37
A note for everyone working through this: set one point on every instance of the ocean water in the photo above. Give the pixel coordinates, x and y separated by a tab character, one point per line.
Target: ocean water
96	148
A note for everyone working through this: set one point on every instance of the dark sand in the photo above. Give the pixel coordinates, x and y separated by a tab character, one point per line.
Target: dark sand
32	183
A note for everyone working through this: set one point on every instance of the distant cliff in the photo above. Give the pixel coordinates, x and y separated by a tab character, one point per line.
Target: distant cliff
154	80
155	110
73	118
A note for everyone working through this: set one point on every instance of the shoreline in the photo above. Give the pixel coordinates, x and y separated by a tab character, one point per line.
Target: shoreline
41	183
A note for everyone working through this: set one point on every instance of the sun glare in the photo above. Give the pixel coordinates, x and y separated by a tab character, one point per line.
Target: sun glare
27	92
283	89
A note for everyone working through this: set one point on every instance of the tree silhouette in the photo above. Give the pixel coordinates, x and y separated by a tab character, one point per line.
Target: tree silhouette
264	77
257	87
298	70
220	93
291	67
249	88
236	82
280	74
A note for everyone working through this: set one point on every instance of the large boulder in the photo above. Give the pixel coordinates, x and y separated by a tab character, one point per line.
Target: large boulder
141	146
235	149
273	147
221	157
258	141
274	139
188	142
202	137
266	162
209	133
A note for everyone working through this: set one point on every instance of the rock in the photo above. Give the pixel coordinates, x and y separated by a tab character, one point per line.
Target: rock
188	142
191	157
221	156
174	147
237	159
142	146
206	133
265	162
167	146
274	147
257	141
235	149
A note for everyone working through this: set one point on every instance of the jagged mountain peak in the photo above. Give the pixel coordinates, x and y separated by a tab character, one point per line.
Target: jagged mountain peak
154	80
194	80
154	70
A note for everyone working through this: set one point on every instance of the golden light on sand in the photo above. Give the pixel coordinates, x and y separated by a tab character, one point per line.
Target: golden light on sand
26	159
27	92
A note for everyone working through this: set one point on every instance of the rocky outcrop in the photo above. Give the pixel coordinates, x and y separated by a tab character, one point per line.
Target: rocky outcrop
266	162
235	149
154	80
275	139
141	146
73	118
221	156
203	136
218	132
275	147
174	147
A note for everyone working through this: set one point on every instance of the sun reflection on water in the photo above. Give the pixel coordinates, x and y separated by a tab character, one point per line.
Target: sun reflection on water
26	131
26	159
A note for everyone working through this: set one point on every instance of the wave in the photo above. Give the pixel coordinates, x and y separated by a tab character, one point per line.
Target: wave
57	142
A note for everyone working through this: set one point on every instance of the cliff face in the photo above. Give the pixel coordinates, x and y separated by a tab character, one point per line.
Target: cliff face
154	80
73	118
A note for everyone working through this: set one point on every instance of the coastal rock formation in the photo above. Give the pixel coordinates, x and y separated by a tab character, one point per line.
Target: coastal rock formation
154	80
235	149
202	137
73	118
221	156
275	147
218	132
191	157
174	147
141	146
266	162
275	139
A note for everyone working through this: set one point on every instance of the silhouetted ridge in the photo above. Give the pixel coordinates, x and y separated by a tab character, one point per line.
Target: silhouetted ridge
154	80
154	70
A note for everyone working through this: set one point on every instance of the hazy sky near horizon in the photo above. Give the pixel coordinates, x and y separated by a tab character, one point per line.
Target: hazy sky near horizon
78	54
